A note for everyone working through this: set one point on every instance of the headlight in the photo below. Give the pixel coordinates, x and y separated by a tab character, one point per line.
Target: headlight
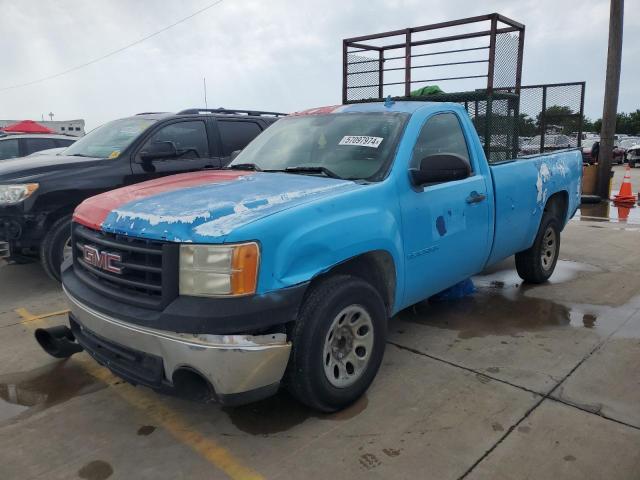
12	194
215	270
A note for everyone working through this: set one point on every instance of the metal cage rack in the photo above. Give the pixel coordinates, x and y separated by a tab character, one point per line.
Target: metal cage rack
481	59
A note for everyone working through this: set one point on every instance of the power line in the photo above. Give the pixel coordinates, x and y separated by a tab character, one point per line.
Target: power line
114	52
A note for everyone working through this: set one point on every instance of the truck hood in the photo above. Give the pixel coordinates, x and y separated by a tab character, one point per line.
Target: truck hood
33	168
201	206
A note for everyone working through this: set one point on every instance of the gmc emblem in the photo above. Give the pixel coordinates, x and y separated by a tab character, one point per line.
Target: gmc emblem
102	260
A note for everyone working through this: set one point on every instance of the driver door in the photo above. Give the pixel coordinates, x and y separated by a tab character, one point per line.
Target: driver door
192	150
446	226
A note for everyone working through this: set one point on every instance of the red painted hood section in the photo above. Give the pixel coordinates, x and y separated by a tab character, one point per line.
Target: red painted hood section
93	211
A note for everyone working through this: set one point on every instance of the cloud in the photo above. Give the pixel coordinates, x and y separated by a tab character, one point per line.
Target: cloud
274	55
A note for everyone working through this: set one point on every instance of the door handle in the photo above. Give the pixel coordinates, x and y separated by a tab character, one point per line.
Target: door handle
475	197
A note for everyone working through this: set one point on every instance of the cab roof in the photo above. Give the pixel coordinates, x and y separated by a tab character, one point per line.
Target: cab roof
400	106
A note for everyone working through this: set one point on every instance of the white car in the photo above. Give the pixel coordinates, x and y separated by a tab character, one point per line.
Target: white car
48	151
633	154
23	144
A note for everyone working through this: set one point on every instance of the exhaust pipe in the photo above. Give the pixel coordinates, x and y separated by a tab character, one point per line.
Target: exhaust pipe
58	341
191	385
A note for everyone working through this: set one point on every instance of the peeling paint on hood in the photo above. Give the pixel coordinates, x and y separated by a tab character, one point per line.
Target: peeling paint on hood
209	212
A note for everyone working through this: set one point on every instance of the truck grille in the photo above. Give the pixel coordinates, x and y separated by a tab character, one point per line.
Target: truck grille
136	271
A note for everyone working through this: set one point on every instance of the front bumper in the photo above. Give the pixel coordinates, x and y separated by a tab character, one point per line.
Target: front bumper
239	368
21	232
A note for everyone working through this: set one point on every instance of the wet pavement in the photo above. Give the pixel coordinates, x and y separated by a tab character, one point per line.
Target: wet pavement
514	381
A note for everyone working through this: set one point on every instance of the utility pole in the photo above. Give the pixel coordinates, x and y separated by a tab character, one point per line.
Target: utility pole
610	108
204	82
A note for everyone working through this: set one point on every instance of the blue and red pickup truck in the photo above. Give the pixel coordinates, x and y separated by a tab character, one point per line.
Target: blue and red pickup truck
284	268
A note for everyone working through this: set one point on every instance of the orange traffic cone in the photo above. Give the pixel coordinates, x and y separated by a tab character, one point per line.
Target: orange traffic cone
625	195
623	213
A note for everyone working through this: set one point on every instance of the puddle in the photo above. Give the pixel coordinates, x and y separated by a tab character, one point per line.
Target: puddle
282	412
503	275
608	212
500	306
29	392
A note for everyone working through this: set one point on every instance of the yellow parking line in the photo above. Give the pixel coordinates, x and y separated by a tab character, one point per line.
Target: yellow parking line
164	416
29	317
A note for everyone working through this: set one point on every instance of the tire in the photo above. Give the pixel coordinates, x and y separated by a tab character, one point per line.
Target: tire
53	245
530	264
339	302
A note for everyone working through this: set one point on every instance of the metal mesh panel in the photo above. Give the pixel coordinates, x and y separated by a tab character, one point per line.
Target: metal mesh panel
550	117
362	77
494	119
506	60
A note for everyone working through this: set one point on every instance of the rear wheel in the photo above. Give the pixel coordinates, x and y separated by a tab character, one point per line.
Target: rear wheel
56	247
338	343
537	264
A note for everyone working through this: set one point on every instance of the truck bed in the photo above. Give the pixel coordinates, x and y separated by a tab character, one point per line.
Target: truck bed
549	174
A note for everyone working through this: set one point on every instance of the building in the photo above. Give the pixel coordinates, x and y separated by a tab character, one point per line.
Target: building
64	127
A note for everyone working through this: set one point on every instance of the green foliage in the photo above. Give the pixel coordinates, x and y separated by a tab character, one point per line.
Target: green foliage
628	123
526	126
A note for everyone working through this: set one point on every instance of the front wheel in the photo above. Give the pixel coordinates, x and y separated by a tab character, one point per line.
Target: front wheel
338	343
56	247
537	264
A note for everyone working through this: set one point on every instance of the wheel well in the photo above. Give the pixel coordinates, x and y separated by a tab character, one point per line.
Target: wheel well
56	215
557	204
376	267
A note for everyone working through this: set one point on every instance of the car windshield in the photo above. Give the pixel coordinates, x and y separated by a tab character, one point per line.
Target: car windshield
589	142
109	140
354	146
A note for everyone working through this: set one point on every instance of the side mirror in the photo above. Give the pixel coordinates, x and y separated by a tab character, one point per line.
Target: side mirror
440	168
159	150
234	154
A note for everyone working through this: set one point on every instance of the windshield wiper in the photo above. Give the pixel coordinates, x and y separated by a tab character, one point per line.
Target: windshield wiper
303	169
80	155
245	166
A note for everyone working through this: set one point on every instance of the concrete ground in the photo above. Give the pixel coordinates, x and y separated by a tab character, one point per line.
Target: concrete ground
513	382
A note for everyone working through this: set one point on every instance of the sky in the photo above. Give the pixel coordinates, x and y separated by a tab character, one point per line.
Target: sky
270	55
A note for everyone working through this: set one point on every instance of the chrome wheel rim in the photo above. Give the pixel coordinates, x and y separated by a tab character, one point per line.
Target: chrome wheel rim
549	249
348	346
66	249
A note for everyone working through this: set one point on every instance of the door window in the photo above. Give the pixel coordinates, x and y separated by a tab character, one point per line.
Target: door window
236	135
9	148
190	138
37	144
441	134
63	142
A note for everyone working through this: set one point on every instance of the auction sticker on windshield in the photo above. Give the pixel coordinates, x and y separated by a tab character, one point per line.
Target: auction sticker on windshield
361	141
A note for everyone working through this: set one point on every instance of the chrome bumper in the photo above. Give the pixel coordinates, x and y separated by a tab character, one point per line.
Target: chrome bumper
5	251
233	364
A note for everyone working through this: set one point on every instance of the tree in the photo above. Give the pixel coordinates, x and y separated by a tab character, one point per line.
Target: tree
526	126
559	115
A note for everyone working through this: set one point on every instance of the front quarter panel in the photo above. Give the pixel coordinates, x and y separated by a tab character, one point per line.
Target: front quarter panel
303	242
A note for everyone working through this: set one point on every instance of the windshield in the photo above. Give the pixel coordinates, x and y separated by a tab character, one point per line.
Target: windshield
109	140
353	146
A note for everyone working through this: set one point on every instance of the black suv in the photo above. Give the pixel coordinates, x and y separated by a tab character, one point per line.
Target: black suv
38	194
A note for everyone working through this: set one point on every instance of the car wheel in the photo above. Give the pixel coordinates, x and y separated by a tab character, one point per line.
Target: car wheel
537	264
338	343
56	247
